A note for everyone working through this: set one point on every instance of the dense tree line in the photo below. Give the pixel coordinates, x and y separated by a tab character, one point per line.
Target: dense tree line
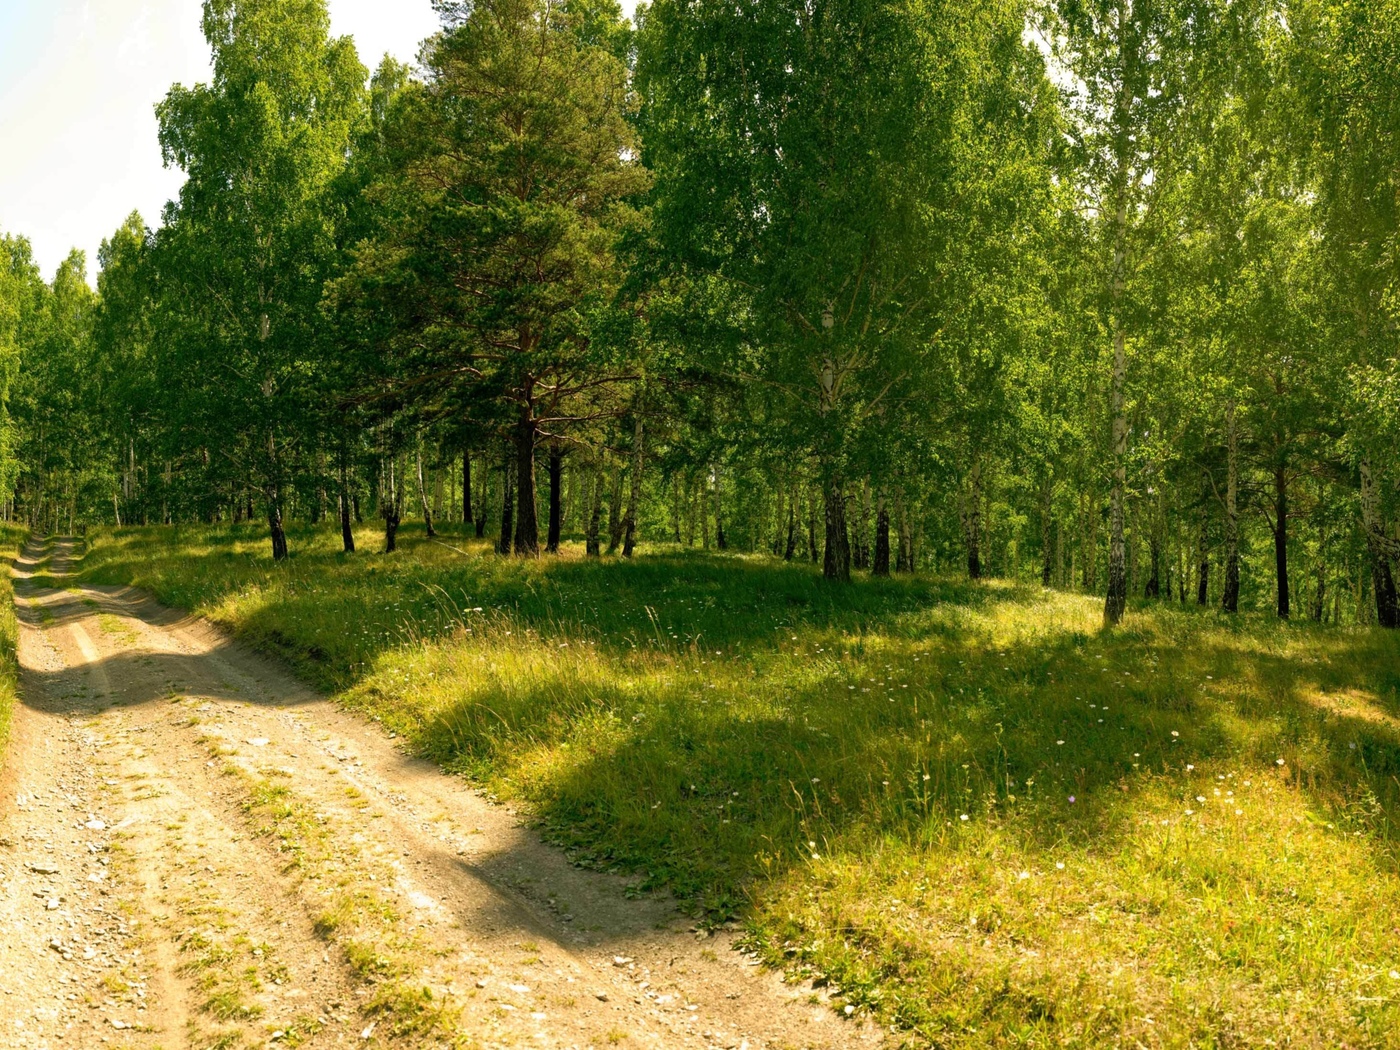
1099	292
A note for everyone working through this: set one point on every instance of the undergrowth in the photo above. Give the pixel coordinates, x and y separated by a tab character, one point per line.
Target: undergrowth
963	809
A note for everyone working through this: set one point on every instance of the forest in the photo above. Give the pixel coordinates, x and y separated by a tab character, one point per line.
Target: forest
1095	292
764	524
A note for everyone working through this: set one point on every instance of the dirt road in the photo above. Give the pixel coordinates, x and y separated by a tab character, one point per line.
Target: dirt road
196	851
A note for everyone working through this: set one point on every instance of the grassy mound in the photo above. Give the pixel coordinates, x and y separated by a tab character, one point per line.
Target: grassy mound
963	808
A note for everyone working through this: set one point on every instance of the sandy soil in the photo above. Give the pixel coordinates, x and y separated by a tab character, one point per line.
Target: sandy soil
197	851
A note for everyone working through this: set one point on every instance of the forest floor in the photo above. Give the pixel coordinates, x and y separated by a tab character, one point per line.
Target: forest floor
197	850
962	814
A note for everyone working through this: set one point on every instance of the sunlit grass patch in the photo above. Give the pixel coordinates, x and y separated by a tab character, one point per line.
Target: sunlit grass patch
964	809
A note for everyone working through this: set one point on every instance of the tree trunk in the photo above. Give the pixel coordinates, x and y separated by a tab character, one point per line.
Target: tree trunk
508	468
1047	536
836	564
274	524
527	524
1281	541
972	521
634	496
813	550
882	538
1203	557
347	531
392	510
1319	607
721	541
1116	599
556	498
1230	599
1382	581
467	517
791	548
423	498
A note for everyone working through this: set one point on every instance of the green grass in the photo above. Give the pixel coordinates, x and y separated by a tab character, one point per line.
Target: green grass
11	539
963	809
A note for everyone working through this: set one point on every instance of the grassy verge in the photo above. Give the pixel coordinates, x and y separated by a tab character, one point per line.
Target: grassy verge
965	809
11	539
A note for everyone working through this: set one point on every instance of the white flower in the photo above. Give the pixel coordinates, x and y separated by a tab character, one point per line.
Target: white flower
963	817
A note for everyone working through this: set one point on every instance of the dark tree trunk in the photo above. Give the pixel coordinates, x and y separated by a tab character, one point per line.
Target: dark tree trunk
483	504
813	551
556	498
882	539
467	487
836	564
1153	589
274	524
1281	541
972	523
347	531
507	505
391	528
527	523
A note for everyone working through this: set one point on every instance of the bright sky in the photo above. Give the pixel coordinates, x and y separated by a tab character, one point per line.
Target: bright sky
79	81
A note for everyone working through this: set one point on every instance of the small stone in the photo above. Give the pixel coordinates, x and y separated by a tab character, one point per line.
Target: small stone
602	997
519	989
849	1010
262	741
481	982
43	867
119	1024
95	825
52	904
621	960
368	1031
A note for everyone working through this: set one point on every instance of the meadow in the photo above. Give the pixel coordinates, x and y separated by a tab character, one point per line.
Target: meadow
963	809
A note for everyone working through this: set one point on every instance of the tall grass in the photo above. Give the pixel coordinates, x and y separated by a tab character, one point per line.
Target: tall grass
962	808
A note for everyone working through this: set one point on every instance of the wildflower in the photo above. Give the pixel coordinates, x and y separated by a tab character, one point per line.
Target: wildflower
1278	761
1189	768
1024	875
1200	798
1239	812
1060	865
927	778
1071	798
1175	733
811	845
1190	812
1059	741
963	817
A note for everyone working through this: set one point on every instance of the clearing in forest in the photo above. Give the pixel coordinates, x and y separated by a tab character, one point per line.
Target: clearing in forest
962	811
